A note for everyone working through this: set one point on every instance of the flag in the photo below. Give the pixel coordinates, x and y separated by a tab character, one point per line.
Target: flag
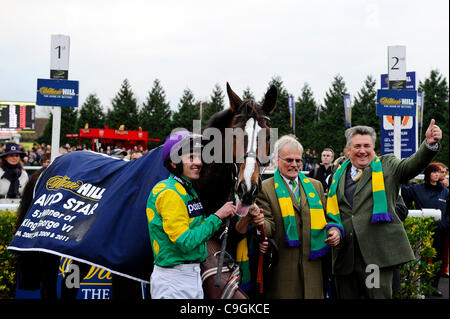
420	98
92	208
348	110
292	111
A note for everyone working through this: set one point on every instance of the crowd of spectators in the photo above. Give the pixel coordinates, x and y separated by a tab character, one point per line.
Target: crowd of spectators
33	155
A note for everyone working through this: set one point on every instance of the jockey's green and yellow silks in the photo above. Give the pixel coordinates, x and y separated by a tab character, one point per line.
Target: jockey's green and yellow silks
380	208
178	230
319	224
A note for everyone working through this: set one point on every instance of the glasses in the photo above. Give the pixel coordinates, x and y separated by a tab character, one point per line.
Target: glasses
291	160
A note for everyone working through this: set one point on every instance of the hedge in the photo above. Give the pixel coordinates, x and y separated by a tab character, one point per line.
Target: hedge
7	258
416	276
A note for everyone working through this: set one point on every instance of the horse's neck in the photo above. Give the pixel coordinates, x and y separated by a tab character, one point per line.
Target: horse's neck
215	186
221	120
216	183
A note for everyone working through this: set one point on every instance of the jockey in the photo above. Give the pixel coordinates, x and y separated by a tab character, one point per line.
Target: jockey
177	224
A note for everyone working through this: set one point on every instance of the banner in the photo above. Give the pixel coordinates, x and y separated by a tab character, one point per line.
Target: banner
57	93
396	102
408	139
92	208
348	110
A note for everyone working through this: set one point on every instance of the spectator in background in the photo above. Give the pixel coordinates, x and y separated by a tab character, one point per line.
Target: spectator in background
431	194
45	160
343	156
323	171
443	178
136	155
12	175
445	252
307	160
118	153
314	160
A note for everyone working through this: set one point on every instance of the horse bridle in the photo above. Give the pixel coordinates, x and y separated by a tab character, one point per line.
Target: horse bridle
252	154
262	166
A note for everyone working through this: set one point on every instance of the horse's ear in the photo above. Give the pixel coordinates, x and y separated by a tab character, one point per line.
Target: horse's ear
235	101
270	100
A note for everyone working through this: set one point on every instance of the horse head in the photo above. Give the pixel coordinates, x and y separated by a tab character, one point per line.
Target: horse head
251	144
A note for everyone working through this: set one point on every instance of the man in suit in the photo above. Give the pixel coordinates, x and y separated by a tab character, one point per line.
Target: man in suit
364	262
295	276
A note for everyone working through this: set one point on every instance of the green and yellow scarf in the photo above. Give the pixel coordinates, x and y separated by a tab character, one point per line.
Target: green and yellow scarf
319	223
380	209
243	253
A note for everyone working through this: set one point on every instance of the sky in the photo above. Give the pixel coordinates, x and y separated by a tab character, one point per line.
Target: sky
197	44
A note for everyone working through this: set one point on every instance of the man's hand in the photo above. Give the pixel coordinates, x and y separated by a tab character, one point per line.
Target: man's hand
433	133
334	237
257	216
263	246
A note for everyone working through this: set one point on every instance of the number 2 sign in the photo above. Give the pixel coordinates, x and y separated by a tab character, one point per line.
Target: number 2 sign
397	63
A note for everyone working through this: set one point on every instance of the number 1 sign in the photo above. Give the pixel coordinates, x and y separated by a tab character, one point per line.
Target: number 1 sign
59	56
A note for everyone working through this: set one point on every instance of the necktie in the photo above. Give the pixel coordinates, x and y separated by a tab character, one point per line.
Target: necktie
295	190
357	177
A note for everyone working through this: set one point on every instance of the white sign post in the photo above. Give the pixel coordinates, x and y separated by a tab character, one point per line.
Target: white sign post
59	68
397	80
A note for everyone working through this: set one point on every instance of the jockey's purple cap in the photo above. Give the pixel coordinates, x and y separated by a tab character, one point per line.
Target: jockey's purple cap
175	141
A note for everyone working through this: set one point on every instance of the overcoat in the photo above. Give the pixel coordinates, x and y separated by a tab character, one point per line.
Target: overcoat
383	244
294	276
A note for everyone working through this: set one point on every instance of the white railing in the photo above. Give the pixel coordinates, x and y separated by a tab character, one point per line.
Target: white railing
426	212
9	206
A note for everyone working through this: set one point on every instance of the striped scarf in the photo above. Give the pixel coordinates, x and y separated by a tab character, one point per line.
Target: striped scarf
319	224
380	210
243	252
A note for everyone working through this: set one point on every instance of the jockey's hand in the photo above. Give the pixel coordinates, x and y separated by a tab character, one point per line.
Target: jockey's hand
264	246
334	237
228	209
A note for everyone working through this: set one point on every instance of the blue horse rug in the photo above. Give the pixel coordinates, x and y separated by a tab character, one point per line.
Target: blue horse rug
92	208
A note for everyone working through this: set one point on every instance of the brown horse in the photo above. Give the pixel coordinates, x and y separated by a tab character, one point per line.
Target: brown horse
245	147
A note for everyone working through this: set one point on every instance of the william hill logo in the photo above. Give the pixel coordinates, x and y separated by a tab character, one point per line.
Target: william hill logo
392	101
84	190
51	91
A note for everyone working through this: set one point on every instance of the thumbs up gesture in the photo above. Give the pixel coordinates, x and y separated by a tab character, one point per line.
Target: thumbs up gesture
433	133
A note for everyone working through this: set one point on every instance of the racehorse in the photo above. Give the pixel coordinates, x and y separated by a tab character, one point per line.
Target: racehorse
221	180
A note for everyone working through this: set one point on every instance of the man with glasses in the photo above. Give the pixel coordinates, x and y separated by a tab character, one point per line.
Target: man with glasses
286	200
